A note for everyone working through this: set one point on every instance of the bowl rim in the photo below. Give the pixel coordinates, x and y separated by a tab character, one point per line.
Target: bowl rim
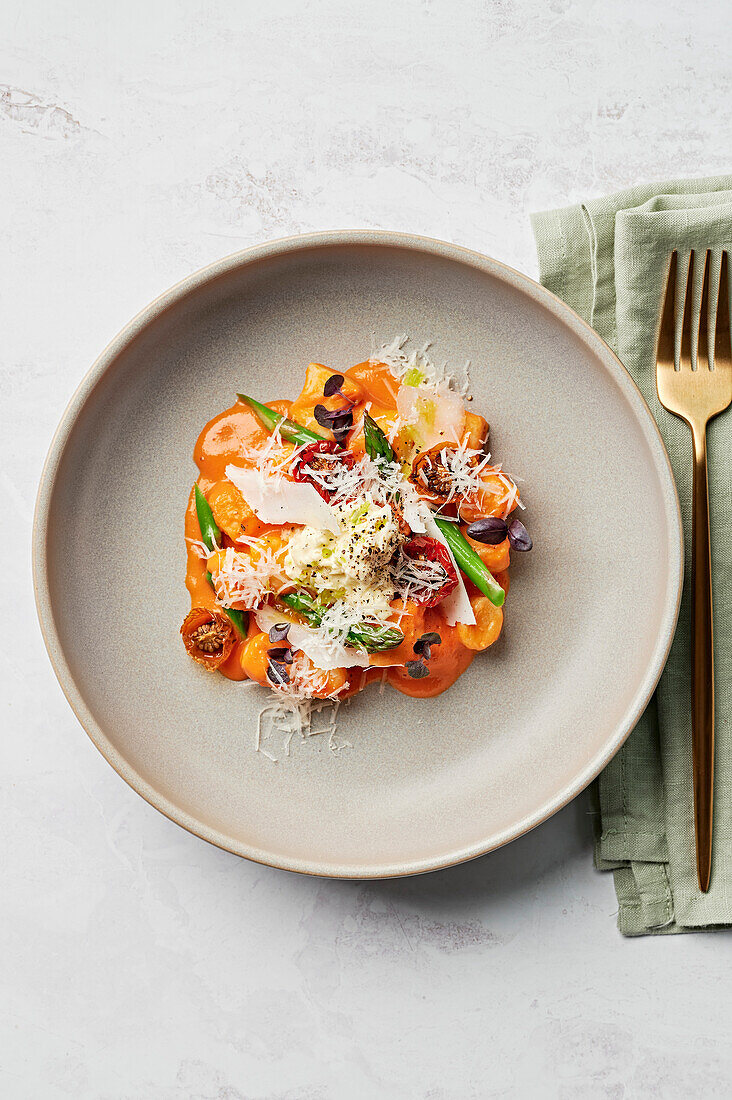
251	255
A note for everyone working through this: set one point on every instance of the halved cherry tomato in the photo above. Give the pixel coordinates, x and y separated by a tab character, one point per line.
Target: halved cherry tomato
424	548
208	636
431	475
310	458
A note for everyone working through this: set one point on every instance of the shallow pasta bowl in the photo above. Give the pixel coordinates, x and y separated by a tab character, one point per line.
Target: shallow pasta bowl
425	784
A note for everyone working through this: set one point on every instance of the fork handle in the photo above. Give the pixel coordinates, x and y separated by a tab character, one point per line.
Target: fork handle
702	657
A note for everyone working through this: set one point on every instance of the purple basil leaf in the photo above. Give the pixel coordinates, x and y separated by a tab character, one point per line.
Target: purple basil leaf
279	632
423	645
281	655
333	385
338	420
277	673
322	415
417	669
518	536
490	529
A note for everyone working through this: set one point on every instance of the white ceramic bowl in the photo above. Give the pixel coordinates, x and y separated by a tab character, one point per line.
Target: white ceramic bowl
589	617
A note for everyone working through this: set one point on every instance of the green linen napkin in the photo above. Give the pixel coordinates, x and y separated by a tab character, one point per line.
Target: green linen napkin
608	259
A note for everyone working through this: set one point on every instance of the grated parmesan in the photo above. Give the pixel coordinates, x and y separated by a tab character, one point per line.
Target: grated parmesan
281	721
241	581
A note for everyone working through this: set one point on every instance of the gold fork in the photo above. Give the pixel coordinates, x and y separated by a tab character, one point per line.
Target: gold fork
698	390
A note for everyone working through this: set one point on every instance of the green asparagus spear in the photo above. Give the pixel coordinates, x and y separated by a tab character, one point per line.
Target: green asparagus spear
210	532
377	445
211	535
294	433
470	562
364	636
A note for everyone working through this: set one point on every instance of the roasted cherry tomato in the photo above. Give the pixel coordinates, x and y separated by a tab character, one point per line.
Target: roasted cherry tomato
423	548
431	475
311	459
208	636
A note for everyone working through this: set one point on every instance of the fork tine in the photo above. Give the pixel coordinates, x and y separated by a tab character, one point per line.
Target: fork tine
723	341
687	318
665	351
705	339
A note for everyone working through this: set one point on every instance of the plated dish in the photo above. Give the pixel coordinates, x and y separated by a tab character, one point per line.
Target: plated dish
427	782
361	532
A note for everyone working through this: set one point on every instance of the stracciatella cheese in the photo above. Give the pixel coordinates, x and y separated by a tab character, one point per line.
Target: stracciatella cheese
352	563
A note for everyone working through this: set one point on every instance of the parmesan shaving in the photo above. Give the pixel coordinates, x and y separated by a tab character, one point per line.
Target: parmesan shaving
276	500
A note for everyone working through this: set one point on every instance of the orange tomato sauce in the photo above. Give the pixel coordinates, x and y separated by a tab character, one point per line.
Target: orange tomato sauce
235	429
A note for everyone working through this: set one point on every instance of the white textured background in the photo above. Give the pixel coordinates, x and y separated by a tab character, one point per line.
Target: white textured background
138	141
